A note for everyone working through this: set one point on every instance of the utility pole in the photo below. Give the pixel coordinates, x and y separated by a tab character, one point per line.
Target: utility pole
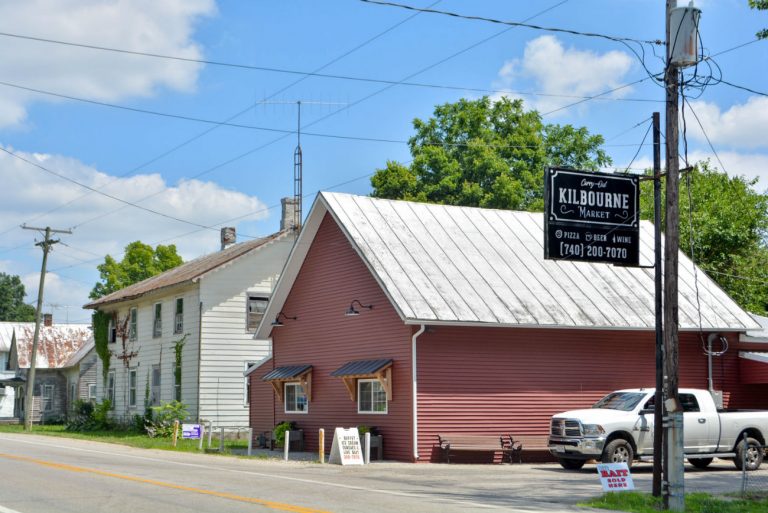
674	491
658	413
46	245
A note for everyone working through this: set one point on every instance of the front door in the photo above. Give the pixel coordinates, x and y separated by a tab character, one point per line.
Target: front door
700	429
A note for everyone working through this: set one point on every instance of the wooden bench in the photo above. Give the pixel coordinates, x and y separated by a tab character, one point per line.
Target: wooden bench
450	442
532	443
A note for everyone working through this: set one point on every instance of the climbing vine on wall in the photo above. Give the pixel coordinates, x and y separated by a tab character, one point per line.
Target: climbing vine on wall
178	345
101	339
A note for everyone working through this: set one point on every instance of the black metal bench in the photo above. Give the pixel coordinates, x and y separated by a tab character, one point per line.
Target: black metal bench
450	442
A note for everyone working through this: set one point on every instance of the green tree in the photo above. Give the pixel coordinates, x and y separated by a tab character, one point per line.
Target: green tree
760	5
730	224
486	153
139	262
12	306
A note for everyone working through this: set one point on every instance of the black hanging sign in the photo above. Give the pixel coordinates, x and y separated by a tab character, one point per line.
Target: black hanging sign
591	217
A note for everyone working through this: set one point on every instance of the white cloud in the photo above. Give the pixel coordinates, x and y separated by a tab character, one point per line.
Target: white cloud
750	165
103	225
741	126
163	27
551	68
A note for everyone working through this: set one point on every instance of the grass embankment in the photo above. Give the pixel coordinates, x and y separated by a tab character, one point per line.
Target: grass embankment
636	502
129	438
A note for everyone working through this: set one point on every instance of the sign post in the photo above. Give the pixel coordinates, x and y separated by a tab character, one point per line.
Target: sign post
591	217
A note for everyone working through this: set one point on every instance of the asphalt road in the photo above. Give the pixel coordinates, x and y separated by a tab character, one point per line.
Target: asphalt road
40	474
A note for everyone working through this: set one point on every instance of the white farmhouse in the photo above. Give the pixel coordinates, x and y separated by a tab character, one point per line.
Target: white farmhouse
206	311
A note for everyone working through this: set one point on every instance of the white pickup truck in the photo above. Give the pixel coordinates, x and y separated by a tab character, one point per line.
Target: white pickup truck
619	428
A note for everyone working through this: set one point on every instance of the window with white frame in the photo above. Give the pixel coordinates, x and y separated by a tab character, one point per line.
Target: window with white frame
133	325
257	305
371	396
47	398
157	321
132	379
247	384
295	398
111	387
178	318
91	391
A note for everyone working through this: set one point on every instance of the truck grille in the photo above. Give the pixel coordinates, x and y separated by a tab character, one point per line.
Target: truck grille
566	427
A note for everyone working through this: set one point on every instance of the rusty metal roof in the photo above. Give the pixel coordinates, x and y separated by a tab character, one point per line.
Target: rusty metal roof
441	264
58	343
187	272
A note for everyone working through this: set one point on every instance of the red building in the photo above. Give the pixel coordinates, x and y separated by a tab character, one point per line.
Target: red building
420	319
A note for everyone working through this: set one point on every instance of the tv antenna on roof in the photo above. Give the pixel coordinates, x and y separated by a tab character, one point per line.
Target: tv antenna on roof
298	159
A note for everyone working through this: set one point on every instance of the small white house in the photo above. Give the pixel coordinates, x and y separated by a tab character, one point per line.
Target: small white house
205	311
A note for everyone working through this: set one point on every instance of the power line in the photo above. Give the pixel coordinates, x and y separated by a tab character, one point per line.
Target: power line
514	23
711	147
742	87
455	54
305	74
596	96
92	189
220	223
638	149
239	113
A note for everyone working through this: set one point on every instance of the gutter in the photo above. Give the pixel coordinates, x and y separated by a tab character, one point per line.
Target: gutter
421	330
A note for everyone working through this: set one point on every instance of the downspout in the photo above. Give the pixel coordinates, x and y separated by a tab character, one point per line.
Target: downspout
415	394
199	354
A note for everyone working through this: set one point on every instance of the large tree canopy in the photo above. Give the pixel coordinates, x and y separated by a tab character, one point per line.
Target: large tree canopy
486	153
139	262
730	223
12	306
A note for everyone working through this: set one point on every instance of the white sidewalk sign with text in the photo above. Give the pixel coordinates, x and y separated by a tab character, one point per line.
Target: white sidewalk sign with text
345	449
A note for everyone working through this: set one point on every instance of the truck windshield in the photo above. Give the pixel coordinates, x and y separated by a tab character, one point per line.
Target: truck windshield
624	401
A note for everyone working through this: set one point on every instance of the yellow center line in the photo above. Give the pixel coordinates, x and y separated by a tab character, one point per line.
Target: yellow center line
269	504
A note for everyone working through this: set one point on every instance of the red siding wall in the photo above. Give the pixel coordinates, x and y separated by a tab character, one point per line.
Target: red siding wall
498	381
262	414
332	276
753	372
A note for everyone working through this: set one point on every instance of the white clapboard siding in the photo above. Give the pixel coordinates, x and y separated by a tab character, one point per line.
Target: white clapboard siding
157	351
226	344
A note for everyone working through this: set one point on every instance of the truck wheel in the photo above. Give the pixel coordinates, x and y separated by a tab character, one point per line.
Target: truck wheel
749	451
569	464
700	462
618	451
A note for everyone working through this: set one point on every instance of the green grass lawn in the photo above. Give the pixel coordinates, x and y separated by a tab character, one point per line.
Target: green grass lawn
130	438
636	502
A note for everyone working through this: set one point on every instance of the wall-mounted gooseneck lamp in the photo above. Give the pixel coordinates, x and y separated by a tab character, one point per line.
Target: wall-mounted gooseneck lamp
282	315
352	311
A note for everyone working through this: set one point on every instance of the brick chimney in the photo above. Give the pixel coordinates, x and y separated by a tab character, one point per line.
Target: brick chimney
228	237
48	320
287	220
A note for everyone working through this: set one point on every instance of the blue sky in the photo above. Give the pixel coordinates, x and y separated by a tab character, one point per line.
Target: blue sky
241	173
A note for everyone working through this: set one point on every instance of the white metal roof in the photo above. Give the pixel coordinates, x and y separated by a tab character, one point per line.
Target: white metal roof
459	265
760	335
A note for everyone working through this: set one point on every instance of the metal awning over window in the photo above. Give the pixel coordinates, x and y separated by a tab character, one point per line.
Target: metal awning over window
380	370
290	373
13	382
753	367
